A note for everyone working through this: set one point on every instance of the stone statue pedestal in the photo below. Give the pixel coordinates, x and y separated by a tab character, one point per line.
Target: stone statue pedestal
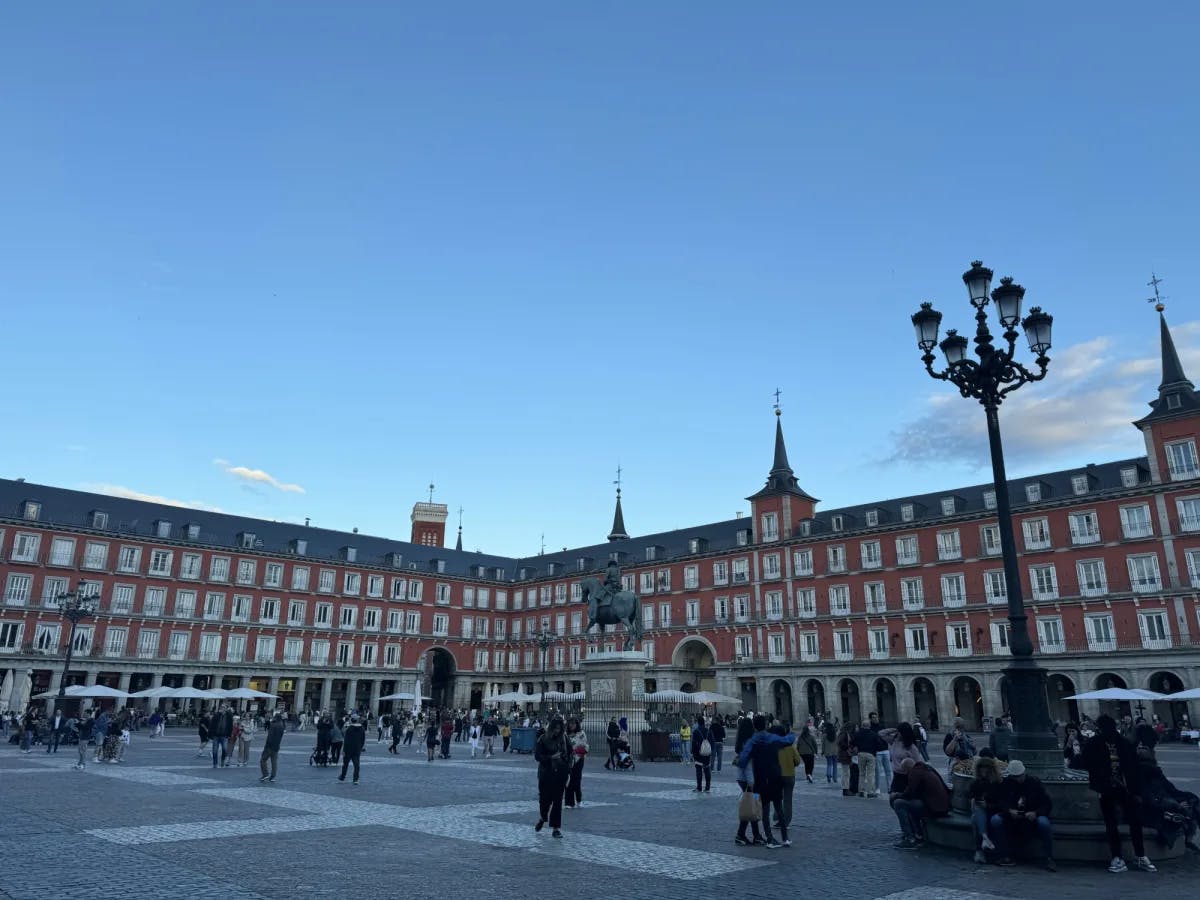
615	689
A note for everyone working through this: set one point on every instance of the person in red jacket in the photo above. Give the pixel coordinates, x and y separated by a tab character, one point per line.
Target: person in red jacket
925	797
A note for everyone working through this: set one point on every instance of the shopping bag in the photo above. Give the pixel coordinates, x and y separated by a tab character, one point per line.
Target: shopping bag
749	807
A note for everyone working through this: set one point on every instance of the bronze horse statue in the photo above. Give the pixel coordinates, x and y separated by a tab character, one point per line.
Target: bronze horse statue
623	607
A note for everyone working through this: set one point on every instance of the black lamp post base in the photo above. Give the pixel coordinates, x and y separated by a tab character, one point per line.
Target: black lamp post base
1034	740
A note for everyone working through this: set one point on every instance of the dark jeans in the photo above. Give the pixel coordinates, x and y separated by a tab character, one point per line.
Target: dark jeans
612	754
718	752
703	776
854	777
335	752
407	738
908	812
446	747
347	758
52	743
1003	828
831	772
808	764
504	749
1109	801
550	800
575	784
268	756
789	787
771	793
220	743
754	825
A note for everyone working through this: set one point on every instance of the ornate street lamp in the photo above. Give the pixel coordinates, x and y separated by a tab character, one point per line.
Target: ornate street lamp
544	639
990	378
80	603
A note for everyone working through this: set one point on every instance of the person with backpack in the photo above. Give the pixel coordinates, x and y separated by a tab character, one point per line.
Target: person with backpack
829	749
702	751
716	737
957	744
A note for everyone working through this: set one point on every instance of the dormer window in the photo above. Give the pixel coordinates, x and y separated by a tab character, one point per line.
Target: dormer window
396	560
31	510
1033	492
872	518
743	537
584	563
651	554
805	528
906	512
1129	477
948	506
1174	401
98	519
298	546
836	523
193	532
246	540
437	565
989	499
697	545
162	528
1079	484
498	574
349	554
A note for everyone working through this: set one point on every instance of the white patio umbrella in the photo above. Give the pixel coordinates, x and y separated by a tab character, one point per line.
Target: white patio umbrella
244	693
712	697
161	691
86	690
1118	694
22	688
516	697
191	693
403	695
562	695
1192	694
6	687
670	697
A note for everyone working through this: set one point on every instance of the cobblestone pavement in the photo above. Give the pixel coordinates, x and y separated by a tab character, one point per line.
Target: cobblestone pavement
179	828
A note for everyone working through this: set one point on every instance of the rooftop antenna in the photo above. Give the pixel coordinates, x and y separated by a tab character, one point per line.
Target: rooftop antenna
431	492
1158	298
543	553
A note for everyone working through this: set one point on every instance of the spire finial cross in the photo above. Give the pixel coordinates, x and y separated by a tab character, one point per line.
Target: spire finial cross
1158	298
460	512
778	410
618	480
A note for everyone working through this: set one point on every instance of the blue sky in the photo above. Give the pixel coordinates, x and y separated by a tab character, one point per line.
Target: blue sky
302	259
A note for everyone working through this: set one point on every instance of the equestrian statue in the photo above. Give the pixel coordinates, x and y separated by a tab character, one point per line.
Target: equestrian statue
609	605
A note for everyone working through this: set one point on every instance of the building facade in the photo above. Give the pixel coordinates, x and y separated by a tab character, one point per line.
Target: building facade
897	606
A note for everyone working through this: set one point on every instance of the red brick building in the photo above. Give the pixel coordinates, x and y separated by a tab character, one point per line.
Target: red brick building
896	606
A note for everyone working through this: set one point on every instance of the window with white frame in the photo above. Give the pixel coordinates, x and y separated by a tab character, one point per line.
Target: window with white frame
395	621
912	593
10	635
1033	492
906	512
95	555
907	553
323	614
948	506
1189	514
391	656
300	576
130	559
959	639
352	583
916	641
178	647
483	596
52	589
1044	581
743	647
774	602
189	566
875	596
318	653
1079	484
160	563
247	570
147	645
115	640
995	587
839	599
325	581
501	599
185	604
647	648
154	601
1093	580
720	572
741	608
1050	634
954	590
1155	630
872	517
1143	573
417	588
1135	521
872	555
273	575
1193	566
771	565
441	624
843	644
293	651
693	611
375	586
1085	528
806	602
241	607
345	653
122	599
648	616
412	623
210	647
62	551
664	615
647	583
691	579
218	568
442	594
214	605
877	641
268	612
802	561
296	612
810	646
347	616
45	639
516	629
1101	635
770	526
1037	533
949	545
481	627
26	546
741	571
989	539
836	523
836	554
1181	459
999	637
468	628
989	499
371	618
235	648
721	610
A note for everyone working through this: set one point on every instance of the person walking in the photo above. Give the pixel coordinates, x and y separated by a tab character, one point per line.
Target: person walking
829	749
1111	763
58	724
354	739
431	739
245	733
219	733
553	758
578	742
490	732
612	733
336	739
270	753
100	733
447	734
789	758
867	742
685	742
762	750
702	754
806	746
716	737
409	727
505	736
849	761
86	724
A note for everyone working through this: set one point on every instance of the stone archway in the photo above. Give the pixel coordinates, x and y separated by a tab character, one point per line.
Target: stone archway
1170	712
1058	689
781	700
850	704
968	701
697	660
440	671
885	702
1115	708
925	703
815	692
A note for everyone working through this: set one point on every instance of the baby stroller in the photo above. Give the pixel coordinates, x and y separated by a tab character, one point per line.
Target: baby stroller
320	755
624	757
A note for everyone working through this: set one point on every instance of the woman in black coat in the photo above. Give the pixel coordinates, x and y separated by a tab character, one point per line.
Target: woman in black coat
1113	773
554	765
703	761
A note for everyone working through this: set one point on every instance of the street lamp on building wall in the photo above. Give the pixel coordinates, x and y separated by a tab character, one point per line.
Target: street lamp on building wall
75	605
990	378
544	639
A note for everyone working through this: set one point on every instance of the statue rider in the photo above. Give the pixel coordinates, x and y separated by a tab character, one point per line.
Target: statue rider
608	589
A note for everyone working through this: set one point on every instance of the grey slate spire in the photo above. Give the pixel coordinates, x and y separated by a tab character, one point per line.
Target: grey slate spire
1176	393
458	543
781	479
618	532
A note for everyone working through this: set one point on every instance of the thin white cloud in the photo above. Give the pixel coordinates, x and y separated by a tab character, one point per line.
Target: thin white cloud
117	490
1085	406
257	476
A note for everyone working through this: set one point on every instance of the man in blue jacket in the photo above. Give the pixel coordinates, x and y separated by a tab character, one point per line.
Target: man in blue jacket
762	751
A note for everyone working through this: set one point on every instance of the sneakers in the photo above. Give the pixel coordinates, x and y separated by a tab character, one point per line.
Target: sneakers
986	843
759	842
556	833
264	778
271	779
1117	865
773	844
1143	864
905	844
980	858
786	842
809	777
741	841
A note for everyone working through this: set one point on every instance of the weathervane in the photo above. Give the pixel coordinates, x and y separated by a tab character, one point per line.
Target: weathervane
1158	298
431	492
777	393
618	481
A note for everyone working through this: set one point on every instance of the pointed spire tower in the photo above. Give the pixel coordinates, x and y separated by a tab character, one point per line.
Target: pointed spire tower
618	532
458	543
782	502
1172	427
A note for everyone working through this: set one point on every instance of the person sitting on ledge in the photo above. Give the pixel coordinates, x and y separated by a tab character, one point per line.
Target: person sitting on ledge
987	799
925	797
1025	807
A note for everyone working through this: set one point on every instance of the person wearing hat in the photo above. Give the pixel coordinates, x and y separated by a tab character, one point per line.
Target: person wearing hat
354	738
1025	808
